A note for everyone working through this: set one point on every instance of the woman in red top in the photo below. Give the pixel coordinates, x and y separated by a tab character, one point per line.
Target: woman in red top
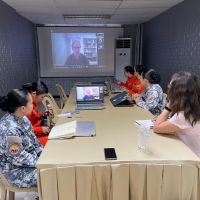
132	85
38	91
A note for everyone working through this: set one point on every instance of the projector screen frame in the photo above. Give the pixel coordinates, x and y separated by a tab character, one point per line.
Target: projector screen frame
46	68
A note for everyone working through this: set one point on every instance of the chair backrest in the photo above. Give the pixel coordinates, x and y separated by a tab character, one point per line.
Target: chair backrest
62	94
7	186
53	118
47	100
108	85
50	96
4	180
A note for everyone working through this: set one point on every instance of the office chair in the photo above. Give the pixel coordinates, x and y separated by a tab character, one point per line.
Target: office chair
50	96
62	94
53	119
7	187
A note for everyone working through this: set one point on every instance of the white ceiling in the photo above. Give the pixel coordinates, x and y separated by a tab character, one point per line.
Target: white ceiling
122	11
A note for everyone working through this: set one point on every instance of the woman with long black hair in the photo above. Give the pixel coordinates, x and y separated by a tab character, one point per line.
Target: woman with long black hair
38	91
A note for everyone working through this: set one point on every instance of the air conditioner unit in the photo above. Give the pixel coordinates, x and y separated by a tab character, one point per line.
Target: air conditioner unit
123	56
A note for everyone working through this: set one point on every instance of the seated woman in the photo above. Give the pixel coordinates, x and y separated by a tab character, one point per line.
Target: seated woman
184	106
133	84
139	69
20	148
152	98
38	91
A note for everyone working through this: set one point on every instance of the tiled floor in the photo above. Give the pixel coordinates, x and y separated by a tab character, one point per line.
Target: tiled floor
20	195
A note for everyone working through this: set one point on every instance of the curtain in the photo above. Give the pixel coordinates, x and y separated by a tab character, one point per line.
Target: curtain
139	45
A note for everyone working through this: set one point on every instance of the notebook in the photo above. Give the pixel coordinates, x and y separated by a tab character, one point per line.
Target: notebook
85	128
73	129
147	123
89	97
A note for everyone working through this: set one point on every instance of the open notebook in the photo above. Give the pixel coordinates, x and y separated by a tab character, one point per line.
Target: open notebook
73	129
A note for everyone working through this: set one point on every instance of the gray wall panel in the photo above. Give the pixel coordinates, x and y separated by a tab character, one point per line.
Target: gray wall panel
17	50
172	40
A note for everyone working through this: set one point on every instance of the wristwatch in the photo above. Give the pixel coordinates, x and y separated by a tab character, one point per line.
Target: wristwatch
168	109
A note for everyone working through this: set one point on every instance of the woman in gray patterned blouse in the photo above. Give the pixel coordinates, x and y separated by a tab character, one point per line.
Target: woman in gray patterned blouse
152	97
19	147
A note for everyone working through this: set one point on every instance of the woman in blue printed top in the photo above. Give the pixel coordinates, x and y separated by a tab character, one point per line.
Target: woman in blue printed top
152	98
19	147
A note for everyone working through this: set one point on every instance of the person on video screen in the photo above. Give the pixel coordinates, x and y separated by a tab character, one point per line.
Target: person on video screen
88	95
77	58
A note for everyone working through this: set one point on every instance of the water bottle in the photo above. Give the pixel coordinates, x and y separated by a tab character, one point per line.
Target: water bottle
144	139
49	106
50	111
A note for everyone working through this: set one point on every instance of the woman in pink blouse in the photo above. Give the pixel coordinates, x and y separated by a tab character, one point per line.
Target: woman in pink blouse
184	105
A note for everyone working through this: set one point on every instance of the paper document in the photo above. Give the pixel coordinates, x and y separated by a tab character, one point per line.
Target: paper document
65	130
147	123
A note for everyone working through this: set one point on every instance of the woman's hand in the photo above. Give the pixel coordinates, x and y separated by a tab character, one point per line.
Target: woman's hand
124	88
136	97
49	109
119	82
45	129
154	119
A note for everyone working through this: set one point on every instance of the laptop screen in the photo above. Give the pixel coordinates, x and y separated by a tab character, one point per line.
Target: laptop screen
89	94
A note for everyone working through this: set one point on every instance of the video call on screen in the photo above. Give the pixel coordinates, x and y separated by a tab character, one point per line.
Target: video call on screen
89	93
89	45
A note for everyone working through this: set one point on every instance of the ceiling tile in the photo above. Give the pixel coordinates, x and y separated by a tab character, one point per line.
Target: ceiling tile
36	10
125	11
88	4
22	3
140	11
44	18
148	3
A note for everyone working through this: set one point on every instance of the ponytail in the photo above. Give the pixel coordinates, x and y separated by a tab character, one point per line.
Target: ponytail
14	99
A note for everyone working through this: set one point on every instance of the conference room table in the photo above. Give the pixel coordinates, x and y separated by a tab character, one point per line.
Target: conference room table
76	169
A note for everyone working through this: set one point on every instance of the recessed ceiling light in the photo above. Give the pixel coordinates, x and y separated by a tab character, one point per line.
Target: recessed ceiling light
87	16
85	25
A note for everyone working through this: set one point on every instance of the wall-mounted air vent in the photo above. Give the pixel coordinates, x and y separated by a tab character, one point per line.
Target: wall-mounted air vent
123	43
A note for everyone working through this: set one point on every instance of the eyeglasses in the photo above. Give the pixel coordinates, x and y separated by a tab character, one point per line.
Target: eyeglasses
76	47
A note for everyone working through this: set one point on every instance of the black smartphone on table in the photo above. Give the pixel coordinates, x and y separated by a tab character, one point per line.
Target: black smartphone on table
110	154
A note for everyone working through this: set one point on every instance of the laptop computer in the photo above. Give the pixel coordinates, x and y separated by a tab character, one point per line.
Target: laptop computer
85	128
121	100
89	97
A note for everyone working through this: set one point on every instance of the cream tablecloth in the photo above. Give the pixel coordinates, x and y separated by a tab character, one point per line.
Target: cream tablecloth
76	169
